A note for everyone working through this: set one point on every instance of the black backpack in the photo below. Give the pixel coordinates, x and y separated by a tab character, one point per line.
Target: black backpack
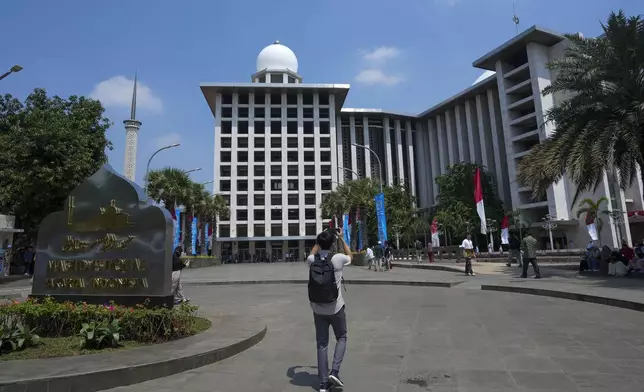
323	288
419	245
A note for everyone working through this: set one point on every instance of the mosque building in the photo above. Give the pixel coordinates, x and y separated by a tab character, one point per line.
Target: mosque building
282	144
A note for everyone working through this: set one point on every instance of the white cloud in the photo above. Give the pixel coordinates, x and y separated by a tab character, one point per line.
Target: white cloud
117	92
377	77
167	139
381	54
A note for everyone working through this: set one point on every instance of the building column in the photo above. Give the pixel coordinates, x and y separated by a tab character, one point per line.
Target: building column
399	152
470	132
410	158
318	172
336	155
449	134
284	168
341	149
509	149
434	155
300	162
421	164
496	145
354	155
267	172
251	169
442	154
388	152
233	174
217	155
462	148
479	114
367	153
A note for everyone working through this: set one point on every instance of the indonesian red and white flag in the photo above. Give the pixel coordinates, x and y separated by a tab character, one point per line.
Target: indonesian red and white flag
505	230
592	228
435	238
478	199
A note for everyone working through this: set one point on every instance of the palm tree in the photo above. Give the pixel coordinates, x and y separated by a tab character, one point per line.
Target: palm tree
168	185
592	209
600	127
218	209
194	197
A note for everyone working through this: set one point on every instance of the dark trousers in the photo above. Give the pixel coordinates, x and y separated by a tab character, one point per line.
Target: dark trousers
535	266
468	266
338	322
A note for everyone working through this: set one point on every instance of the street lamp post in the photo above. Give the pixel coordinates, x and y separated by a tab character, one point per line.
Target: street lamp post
193	170
617	217
208	182
147	168
491	228
549	223
377	157
14	69
351	170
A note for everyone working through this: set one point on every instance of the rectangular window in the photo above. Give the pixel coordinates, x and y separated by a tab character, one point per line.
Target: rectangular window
309	156
227	99
260	112
276	99
242	232
242	156
276	200
293	229
291	156
325	170
276	185
226	142
325	156
291	142
291	112
309	170
291	128
242	112
242	99
259	215
309	199
258	200
309	213
242	171
325	128
309	185
326	185
224	231
224	171
242	200
276	214
308	127
276	156
258	230
260	142
309	142
293	213
307	112
325	142
242	185
324	113
276	127
259	185
310	229
293	200
275	78
323	99
307	99
276	142
276	170
226	127
260	98
292	170
258	171
226	112
291	185
242	127
276	230
242	215
259	156
226	156
291	79
242	142
259	128
224	185
276	112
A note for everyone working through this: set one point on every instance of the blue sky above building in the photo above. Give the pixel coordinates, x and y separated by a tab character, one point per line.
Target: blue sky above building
402	55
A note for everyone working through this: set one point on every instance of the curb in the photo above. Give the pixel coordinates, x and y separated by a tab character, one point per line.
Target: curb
347	281
117	374
618	303
429	267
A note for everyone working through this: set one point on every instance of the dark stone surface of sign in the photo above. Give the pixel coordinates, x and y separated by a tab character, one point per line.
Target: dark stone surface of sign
108	244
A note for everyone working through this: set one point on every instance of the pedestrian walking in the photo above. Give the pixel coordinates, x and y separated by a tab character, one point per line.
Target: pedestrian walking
468	252
327	303
529	248
514	248
379	253
177	266
419	251
369	256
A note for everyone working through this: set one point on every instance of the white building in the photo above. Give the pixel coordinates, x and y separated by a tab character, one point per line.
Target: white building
281	145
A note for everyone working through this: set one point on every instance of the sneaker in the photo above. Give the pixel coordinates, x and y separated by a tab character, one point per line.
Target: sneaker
324	387
335	381
472	274
185	300
523	276
537	277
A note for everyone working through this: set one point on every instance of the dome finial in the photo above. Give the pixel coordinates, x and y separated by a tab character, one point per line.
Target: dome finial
276	43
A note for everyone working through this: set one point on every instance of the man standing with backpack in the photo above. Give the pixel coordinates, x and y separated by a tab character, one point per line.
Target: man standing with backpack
419	251
327	303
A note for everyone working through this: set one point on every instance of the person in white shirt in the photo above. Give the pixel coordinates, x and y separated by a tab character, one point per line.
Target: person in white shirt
468	252
369	256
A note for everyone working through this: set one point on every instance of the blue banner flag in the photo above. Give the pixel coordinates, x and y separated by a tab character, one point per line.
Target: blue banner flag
177	228
380	215
346	230
194	235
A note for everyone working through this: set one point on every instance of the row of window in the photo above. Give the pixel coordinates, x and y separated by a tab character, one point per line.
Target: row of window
276	170
291	214
293	229
275	185
276	200
276	142
259	127
275	112
276	156
275	99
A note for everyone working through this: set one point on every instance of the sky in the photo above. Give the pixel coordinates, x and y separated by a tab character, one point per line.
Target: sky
404	55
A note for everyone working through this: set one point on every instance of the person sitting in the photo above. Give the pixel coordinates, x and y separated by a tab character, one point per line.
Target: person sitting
617	264
592	257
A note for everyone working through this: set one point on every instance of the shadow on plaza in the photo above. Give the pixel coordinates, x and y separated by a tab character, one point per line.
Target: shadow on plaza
303	378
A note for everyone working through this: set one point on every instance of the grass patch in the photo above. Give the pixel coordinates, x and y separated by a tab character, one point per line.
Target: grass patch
69	346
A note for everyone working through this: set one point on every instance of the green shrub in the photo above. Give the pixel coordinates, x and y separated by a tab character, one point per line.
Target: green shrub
17	337
98	335
139	323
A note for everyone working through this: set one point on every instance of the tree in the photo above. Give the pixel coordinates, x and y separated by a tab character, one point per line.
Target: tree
599	128
592	208
457	197
48	146
168	185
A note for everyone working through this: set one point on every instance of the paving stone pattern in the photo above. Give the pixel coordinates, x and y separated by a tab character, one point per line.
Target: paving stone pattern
414	339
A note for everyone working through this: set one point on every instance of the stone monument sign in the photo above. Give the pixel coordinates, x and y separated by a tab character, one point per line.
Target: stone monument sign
108	244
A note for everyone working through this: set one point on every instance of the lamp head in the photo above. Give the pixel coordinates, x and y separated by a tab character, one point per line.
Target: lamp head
16	68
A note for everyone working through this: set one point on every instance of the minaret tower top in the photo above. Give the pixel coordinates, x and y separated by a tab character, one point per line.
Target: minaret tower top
132	126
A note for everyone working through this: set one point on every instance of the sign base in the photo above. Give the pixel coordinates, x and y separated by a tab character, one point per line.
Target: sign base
123	300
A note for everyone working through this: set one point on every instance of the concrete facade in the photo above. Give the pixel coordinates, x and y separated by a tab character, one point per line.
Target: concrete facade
281	145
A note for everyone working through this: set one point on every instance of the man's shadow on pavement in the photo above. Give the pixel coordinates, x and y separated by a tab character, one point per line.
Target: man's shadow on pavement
303	378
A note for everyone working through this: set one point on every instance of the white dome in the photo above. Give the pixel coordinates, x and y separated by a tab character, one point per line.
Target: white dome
483	76
276	57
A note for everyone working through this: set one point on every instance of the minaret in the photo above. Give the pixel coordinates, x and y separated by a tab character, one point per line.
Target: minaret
131	137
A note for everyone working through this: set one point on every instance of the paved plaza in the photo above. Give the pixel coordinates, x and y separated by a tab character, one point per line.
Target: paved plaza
415	339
